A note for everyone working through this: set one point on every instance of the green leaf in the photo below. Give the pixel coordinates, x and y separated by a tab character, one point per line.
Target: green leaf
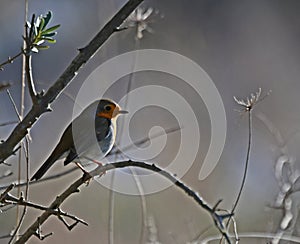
47	18
51	29
42	47
48	39
35	30
52	41
39	42
38	21
49	34
41	25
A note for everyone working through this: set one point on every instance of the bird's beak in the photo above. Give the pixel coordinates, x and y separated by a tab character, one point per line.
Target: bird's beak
118	111
123	112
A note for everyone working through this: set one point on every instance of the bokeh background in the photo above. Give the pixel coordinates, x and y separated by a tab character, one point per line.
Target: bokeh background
242	45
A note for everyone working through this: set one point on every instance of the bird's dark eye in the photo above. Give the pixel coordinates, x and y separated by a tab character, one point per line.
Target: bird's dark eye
107	108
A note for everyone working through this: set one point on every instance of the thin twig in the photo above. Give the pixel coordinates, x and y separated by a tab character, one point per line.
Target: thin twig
245	169
51	177
111	210
8	123
5	236
246	163
10	60
14	105
20	221
22	108
143	204
111	192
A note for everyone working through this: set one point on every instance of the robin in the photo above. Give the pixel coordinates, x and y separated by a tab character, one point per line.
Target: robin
88	137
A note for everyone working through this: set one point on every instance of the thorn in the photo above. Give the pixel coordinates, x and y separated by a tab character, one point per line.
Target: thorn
118	29
40	94
49	109
17	149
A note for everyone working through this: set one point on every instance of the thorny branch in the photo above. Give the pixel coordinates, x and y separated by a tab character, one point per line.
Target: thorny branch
217	218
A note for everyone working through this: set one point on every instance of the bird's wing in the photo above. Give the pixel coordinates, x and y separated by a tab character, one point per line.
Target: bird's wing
88	129
65	143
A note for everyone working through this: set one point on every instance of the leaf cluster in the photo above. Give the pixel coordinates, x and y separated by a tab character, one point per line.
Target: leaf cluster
38	33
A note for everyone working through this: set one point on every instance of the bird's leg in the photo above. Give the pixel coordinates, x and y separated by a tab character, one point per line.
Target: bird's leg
96	162
80	167
100	165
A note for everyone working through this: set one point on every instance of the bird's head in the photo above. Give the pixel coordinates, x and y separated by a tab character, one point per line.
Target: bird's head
109	109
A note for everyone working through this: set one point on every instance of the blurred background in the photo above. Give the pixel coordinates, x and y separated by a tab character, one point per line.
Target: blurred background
242	45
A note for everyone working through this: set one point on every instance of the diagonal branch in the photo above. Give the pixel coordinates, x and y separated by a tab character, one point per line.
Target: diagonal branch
42	106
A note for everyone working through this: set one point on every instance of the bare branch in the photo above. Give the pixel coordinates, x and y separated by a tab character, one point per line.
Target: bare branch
218	219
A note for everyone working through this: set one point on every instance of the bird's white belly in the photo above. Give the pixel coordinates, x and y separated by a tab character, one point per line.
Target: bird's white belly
89	156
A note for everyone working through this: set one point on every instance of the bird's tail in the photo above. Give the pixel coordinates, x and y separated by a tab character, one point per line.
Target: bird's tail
44	168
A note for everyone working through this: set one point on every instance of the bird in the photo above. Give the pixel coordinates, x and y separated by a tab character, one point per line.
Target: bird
89	137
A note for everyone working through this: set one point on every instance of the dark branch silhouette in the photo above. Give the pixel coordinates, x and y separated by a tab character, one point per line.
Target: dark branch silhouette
74	188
